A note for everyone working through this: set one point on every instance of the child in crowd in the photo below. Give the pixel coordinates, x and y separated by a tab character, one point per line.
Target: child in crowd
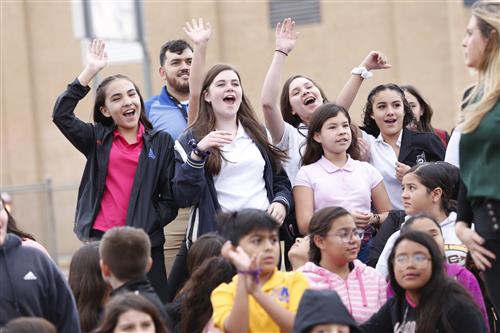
224	162
300	97
429	189
129	168
206	247
125	259
322	311
393	148
259	298
334	245
28	325
425	300
330	162
131	312
299	252
195	306
462	275
89	288
422	113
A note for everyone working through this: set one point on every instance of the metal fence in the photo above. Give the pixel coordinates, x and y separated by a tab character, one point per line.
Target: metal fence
43	216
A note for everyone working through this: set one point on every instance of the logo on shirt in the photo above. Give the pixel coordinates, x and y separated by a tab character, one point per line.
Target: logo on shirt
282	294
421	158
30	276
151	154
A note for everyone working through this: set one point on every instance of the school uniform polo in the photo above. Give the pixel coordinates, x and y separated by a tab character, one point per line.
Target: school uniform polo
349	186
240	183
286	288
384	159
293	143
122	166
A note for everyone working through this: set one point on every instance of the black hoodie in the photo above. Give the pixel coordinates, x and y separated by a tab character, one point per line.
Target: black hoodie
322	307
32	286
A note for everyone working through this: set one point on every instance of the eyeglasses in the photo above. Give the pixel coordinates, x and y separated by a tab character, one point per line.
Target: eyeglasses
417	259
347	235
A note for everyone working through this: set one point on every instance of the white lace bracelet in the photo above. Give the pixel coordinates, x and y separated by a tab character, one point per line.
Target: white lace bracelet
365	74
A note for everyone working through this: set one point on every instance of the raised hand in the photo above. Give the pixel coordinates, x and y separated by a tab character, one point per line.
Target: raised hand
97	58
237	256
286	36
375	60
197	31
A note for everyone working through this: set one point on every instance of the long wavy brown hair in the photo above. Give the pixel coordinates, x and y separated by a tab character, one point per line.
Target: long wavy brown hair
205	123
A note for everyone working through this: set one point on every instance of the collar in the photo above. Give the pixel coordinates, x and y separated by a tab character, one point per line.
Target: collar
398	142
331	168
140	132
139	284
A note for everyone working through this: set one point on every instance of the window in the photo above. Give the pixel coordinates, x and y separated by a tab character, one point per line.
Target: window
301	11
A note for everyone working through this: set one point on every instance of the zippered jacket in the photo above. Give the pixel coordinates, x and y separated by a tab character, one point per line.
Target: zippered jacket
151	204
192	187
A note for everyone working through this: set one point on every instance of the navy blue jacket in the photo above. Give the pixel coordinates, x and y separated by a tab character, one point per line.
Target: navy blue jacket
192	187
32	286
151	205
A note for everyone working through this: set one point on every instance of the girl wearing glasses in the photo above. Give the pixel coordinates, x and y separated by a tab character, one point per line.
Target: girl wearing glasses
334	245
330	162
426	299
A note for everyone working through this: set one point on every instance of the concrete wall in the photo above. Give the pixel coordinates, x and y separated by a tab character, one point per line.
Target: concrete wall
40	55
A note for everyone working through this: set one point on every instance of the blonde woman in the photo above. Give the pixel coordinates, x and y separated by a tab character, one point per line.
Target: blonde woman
479	149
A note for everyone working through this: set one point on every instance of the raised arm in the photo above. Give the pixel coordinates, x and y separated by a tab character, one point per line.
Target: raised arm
374	60
199	33
286	37
97	59
79	133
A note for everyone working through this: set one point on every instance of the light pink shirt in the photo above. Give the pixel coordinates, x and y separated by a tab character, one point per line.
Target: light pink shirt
122	165
348	187
363	292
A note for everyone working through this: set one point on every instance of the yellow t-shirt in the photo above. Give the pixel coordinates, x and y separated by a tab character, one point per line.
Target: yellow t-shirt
285	287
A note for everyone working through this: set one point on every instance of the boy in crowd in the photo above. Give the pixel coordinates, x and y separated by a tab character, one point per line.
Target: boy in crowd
260	298
125	254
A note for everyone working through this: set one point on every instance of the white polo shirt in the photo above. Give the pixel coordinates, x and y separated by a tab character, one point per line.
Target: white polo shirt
240	183
384	159
293	143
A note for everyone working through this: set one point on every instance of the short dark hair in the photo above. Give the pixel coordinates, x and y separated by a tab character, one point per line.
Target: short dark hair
126	251
236	225
175	46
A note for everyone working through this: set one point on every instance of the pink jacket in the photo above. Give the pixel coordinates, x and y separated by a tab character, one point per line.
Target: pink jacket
363	292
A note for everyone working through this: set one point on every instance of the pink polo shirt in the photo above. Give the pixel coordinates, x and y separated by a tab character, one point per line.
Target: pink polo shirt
348	187
122	165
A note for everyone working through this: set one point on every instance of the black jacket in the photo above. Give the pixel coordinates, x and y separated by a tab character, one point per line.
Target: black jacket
143	287
192	187
32	286
322	307
151	205
420	147
391	224
398	316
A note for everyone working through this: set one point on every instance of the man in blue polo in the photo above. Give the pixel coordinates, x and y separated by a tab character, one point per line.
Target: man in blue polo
168	110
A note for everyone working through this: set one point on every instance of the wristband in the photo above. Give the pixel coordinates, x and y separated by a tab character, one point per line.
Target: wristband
194	148
281	52
255	273
363	72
